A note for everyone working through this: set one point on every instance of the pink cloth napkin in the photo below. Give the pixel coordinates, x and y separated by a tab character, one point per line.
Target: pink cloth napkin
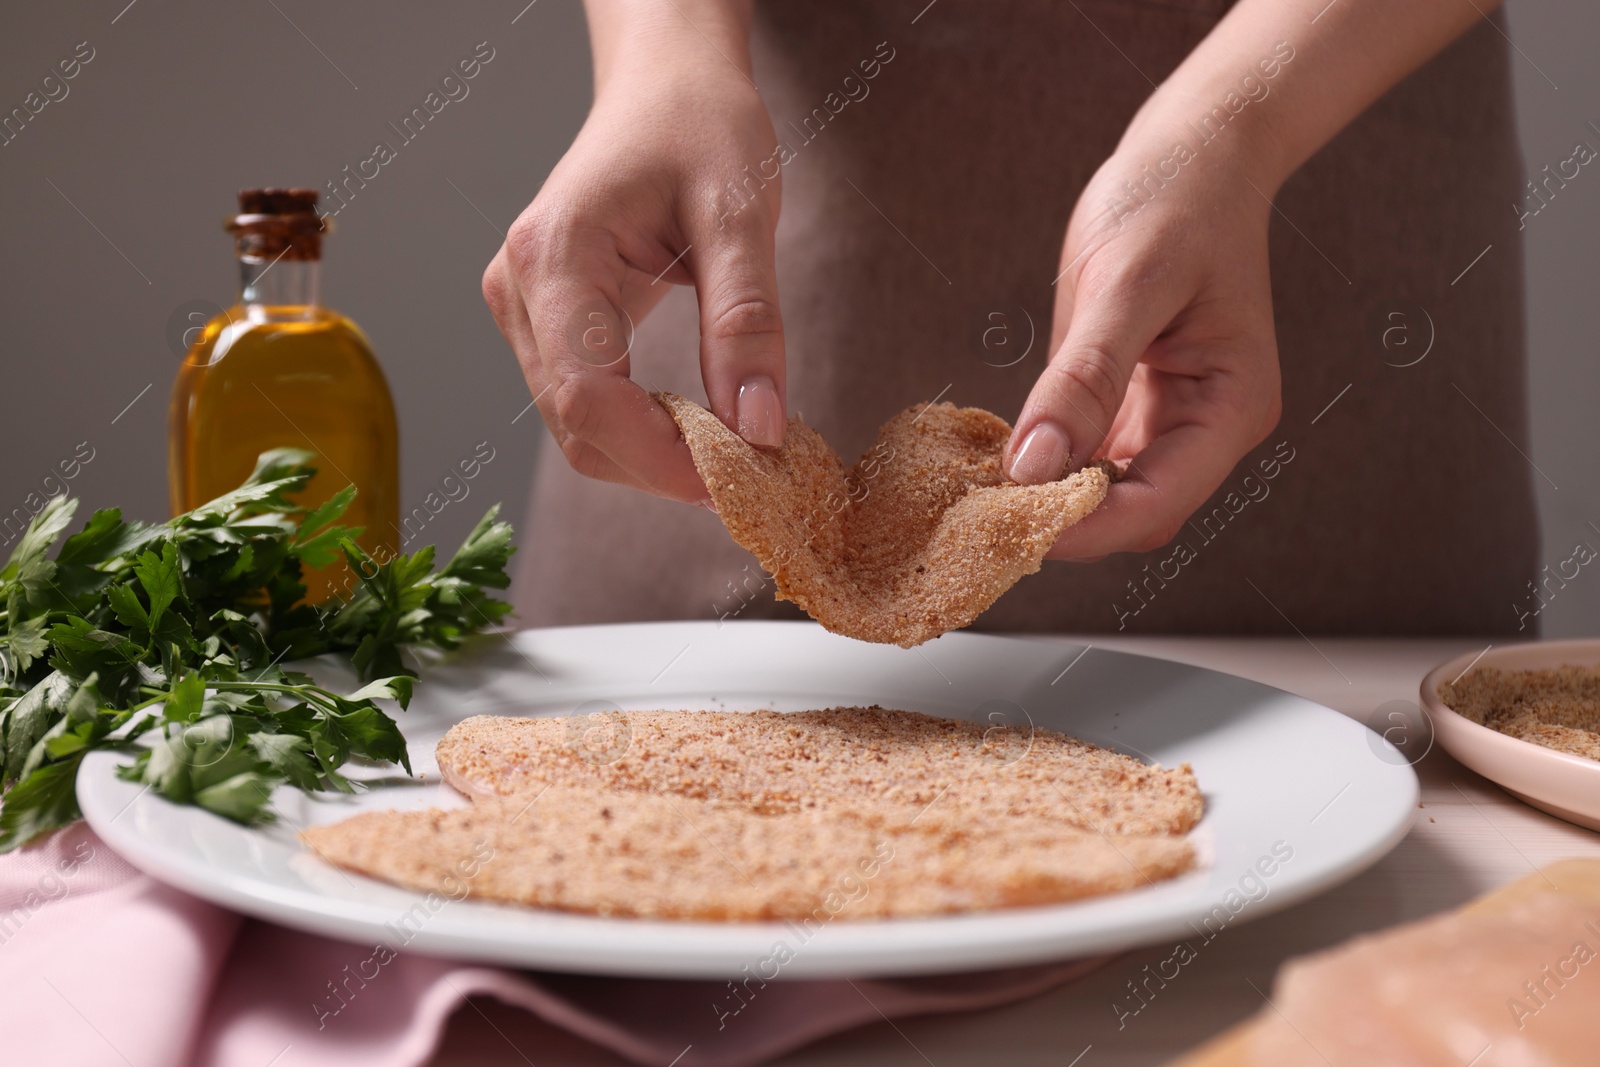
100	964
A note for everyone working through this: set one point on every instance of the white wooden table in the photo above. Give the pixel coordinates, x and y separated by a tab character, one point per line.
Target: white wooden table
1468	837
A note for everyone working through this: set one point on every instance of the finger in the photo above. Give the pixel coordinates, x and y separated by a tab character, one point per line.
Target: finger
641	292
512	317
584	343
1075	402
500	292
593	463
571	283
1163	486
1154	403
741	328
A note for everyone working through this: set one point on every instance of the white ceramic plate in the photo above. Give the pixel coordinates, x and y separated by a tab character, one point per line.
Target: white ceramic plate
1281	775
1560	783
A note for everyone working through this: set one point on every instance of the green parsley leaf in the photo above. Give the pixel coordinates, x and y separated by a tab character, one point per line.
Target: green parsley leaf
46	800
178	631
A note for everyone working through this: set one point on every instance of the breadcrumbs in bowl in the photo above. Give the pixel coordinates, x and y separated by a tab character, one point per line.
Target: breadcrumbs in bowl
1557	707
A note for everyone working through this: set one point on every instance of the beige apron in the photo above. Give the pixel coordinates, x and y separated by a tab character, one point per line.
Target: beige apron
1401	508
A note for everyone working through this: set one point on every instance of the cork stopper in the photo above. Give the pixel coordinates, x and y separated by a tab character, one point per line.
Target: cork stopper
277	201
278	224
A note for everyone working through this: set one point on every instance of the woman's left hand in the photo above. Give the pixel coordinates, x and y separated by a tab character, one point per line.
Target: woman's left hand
1163	345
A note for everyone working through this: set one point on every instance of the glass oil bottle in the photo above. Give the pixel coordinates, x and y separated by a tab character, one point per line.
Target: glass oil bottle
280	370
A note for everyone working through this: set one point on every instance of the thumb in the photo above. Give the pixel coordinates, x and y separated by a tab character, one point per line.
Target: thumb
741	329
1075	401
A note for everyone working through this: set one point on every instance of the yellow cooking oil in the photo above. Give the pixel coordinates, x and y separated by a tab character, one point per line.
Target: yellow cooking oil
279	370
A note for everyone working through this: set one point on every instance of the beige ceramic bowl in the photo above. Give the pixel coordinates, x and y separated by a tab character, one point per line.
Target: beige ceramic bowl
1566	786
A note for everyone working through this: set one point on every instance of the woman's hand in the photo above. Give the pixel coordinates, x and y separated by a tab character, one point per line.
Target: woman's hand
1163	346
1163	351
665	184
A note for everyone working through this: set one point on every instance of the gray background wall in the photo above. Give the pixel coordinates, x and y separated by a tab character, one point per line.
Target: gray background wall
112	197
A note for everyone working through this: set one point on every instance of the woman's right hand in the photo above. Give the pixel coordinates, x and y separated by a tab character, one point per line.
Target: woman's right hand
667	184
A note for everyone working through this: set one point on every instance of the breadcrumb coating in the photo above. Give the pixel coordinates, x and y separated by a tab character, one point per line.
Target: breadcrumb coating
918	538
777	763
727	816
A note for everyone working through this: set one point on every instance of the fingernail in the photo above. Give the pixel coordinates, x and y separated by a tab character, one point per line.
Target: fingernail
709	504
1042	456
760	412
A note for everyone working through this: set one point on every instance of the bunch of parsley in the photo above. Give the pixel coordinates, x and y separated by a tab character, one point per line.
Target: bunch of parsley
179	629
